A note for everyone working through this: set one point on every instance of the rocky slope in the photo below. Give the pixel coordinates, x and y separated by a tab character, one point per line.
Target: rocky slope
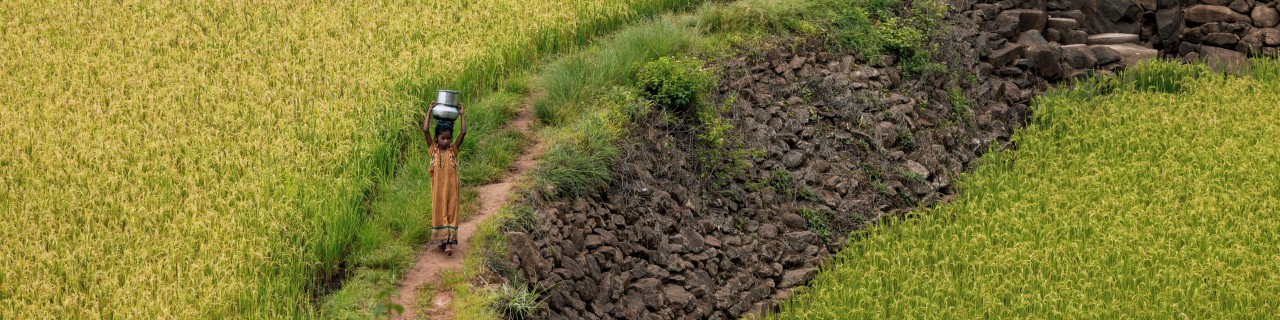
835	145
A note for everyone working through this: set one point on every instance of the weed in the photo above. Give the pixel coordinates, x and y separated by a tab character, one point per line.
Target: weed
518	302
880	187
910	175
905	139
819	221
806	193
960	109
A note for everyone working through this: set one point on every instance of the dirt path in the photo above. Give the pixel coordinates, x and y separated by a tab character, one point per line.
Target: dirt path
431	261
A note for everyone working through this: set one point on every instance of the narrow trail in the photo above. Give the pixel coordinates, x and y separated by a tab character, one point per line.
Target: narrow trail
431	261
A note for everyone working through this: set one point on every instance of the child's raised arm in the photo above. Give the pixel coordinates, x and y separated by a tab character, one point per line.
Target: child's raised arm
426	125
462	129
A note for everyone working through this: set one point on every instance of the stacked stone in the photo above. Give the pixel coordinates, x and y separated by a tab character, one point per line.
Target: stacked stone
664	241
1062	39
1224	32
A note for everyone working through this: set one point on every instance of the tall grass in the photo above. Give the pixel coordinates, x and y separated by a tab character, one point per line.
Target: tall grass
1133	204
208	160
588	99
571	83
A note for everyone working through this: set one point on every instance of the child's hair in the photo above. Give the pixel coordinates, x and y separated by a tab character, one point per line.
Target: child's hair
443	126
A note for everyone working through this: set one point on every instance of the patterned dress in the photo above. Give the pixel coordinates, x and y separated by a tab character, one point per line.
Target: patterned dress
445	190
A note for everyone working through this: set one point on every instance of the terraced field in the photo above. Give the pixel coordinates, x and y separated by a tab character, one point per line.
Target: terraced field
1157	200
208	159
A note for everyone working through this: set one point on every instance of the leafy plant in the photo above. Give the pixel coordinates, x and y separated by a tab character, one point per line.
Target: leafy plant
675	83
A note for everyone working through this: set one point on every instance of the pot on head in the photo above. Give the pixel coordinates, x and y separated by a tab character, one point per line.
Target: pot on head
446	105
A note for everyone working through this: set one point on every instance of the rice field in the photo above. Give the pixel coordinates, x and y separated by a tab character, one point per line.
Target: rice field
1157	200
208	159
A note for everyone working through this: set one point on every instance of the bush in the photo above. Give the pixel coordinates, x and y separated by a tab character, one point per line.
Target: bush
676	84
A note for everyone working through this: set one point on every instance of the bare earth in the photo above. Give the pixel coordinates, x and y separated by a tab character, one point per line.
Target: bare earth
431	261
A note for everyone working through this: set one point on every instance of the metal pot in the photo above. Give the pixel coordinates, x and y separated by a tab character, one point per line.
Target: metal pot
446	105
448	97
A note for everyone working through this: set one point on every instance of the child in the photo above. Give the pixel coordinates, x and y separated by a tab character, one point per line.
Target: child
445	187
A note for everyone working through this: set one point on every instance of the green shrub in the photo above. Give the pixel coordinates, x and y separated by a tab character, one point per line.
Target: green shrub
675	83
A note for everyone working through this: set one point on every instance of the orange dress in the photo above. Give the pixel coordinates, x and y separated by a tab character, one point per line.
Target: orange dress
445	190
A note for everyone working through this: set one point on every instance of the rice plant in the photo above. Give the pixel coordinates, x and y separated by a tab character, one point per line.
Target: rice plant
1134	204
205	159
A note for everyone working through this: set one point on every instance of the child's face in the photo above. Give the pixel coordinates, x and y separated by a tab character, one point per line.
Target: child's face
444	139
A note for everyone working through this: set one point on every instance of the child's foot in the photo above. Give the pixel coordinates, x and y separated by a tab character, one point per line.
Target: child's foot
448	251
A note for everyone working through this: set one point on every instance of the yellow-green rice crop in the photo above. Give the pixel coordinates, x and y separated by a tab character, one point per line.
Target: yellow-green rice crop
208	159
1139	204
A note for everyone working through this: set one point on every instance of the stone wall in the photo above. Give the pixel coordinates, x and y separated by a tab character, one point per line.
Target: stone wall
852	143
1222	32
1079	35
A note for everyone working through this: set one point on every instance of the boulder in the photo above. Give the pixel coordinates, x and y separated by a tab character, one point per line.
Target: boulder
1224	60
1113	38
1211	13
800	239
647	289
1074	14
1168	22
794	221
797	277
1148	5
1005	55
793	159
530	259
1186	47
1251	42
1075	37
1044	60
1031	38
1063	24
1053	35
1112	10
1240	6
1130	54
1006	24
1221	39
1029	19
1270	36
1265	16
677	296
1216	2
917	169
1079	56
